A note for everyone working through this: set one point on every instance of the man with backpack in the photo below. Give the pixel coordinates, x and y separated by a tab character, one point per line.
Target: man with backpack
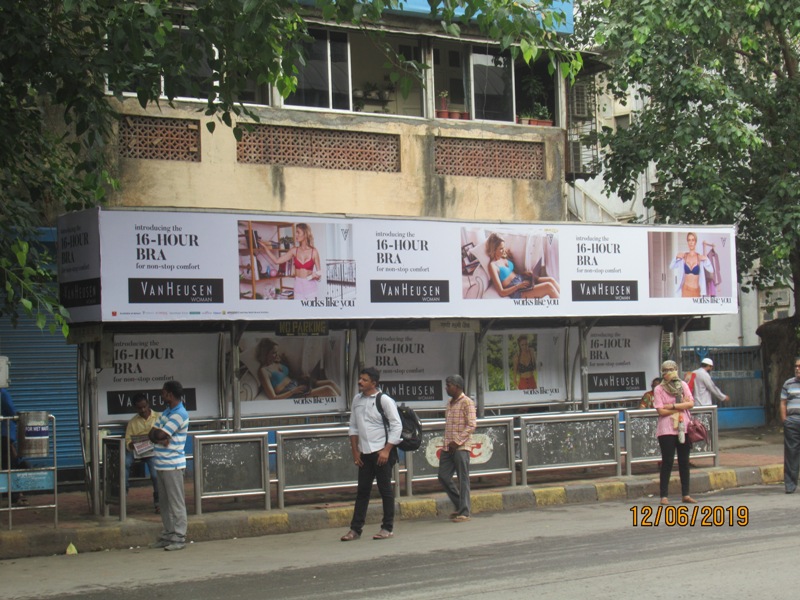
374	453
454	457
703	387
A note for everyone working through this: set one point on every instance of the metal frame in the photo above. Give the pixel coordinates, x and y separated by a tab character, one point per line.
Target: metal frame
511	469
200	440
651	413
316	433
39	473
569	418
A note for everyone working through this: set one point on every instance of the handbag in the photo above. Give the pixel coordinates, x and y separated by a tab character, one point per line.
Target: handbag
696	431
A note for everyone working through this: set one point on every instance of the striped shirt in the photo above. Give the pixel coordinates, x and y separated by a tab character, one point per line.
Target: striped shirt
790	393
459	421
175	423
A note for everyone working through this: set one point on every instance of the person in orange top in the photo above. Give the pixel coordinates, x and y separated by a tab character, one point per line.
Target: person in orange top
454	458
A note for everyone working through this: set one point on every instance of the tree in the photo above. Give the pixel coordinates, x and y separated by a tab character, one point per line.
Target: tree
720	84
58	59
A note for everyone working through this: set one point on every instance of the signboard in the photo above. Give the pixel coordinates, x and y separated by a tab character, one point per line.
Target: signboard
413	364
162	266
143	362
291	375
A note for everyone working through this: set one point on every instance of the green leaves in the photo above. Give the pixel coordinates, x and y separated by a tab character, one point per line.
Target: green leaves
719	121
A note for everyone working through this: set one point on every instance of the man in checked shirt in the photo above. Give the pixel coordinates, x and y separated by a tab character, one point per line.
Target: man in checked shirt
454	458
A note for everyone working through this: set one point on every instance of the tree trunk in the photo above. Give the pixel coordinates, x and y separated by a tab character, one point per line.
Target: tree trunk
779	340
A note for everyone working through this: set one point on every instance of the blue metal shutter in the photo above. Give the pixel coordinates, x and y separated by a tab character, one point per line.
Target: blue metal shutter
43	370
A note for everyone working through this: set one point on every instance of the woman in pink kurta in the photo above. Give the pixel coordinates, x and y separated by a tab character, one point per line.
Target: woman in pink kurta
673	400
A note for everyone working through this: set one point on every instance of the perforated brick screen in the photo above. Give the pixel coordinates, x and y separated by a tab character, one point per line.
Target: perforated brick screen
159	138
489	158
320	148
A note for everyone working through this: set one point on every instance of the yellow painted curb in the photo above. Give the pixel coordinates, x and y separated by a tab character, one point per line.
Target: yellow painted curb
266	523
492	502
772	474
418	509
612	490
339	517
720	480
550	496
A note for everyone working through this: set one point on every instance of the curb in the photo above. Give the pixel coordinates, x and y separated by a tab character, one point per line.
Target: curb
96	534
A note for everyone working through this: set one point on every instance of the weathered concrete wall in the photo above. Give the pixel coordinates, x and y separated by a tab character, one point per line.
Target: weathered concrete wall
220	182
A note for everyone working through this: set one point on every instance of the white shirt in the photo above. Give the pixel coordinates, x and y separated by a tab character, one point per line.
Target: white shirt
704	389
366	422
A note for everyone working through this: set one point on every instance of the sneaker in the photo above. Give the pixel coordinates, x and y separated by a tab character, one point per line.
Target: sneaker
350	536
383	535
160	544
175	546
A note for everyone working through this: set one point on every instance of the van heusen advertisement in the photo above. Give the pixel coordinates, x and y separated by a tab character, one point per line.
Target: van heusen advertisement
414	364
142	363
306	374
622	360
216	266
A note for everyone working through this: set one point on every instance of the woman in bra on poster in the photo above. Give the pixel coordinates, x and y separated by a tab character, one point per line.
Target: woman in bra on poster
508	282
279	383
305	258
689	267
524	365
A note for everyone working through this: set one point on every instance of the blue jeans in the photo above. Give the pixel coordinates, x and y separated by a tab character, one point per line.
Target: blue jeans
456	462
129	459
791	452
369	472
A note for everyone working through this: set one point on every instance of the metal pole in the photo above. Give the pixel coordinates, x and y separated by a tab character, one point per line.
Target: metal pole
94	428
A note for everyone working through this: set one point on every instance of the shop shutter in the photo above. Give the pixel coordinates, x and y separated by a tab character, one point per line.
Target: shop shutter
43	372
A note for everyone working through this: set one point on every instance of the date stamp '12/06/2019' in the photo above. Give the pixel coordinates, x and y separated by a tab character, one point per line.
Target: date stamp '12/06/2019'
685	516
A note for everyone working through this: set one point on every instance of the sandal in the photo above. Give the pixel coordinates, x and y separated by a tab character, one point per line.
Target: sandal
665	501
688	500
383	535
461	518
350	536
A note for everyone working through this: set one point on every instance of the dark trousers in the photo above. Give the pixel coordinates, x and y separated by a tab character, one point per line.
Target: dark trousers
669	443
456	462
791	452
369	472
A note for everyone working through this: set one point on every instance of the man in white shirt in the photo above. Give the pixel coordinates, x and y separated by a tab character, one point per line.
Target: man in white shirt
705	390
372	443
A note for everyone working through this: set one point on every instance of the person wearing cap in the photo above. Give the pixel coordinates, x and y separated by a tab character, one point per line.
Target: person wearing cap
705	390
790	417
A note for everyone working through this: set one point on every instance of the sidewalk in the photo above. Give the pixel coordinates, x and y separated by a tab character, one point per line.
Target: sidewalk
747	457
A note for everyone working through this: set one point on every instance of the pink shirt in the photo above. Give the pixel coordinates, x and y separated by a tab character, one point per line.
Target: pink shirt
662	399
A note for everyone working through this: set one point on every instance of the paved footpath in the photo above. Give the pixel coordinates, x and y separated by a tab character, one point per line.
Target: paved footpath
747	457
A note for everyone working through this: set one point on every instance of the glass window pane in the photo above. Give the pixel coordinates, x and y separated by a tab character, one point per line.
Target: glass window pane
493	84
312	78
340	71
199	83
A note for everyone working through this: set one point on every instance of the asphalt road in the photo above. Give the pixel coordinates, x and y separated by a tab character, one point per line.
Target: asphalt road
748	548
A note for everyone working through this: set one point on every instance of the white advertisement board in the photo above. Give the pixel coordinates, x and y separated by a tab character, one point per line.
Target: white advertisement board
161	266
292	375
414	364
143	362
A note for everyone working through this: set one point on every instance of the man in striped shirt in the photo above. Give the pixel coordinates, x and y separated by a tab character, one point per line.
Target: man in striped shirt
454	457
790	417
169	438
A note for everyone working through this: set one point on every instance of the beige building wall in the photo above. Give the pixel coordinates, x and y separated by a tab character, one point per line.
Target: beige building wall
220	181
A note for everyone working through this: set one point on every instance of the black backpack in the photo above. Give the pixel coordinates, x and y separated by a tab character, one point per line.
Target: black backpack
411	436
